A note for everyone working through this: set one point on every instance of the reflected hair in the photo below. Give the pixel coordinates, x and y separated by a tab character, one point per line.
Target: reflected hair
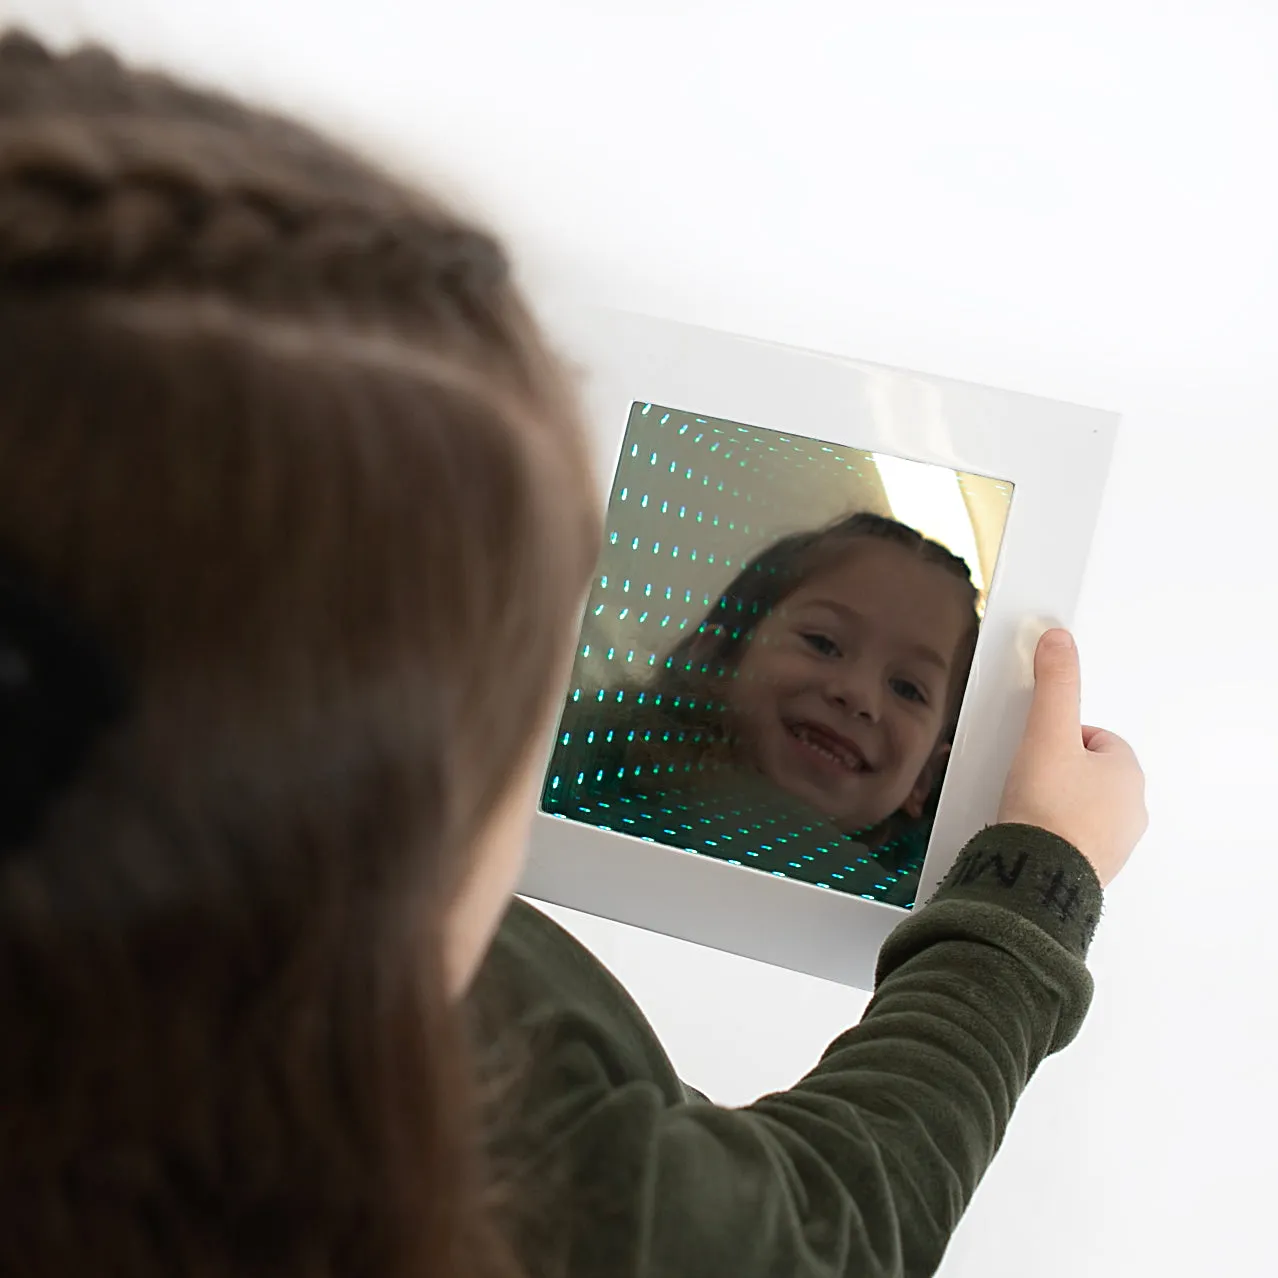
295	515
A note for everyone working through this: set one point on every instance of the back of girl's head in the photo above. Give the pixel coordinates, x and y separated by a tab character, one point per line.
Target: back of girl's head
289	548
716	647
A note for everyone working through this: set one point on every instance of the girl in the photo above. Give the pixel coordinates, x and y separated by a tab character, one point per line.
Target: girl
294	521
286	473
803	727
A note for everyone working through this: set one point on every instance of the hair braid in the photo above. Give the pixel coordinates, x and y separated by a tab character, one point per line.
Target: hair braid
104	181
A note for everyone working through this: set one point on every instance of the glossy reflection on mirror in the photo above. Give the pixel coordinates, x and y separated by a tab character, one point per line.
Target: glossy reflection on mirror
775	651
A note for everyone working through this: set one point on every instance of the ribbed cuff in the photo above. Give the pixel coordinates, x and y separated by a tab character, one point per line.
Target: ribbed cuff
1038	875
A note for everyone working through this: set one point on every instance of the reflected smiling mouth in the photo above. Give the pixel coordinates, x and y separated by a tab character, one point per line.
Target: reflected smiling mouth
830	746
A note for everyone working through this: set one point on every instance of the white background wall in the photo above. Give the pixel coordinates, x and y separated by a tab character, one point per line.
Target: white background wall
1074	199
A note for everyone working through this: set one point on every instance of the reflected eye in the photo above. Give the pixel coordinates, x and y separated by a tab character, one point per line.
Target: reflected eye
909	691
822	644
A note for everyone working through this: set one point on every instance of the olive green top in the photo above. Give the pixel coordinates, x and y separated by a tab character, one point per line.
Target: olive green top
864	1167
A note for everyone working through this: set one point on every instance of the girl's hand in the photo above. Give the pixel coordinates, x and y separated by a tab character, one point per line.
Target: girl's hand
1083	784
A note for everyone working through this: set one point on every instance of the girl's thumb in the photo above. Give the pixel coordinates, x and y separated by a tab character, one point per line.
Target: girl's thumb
1055	711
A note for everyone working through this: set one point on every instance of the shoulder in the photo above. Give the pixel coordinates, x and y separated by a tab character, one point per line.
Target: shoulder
541	988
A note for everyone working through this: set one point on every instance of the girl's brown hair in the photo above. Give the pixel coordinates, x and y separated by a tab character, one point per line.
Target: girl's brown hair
280	448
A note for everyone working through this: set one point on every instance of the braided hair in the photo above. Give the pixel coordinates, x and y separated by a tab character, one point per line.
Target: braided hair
117	177
294	517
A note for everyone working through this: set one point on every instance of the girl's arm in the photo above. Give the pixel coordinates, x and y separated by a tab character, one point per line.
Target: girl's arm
865	1167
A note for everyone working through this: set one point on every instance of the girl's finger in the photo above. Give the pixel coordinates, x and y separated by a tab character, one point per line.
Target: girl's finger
1053	715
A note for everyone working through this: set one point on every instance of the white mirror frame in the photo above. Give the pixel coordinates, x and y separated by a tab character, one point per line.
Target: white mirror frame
1057	457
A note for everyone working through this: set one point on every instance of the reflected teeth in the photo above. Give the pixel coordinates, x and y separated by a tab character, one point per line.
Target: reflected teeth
849	761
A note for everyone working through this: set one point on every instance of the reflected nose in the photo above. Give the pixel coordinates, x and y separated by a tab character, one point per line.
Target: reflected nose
857	689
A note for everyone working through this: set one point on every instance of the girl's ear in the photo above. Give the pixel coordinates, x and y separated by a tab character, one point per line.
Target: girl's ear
933	770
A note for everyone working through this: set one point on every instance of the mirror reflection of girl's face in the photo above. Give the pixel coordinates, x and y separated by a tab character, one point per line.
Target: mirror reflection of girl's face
842	693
